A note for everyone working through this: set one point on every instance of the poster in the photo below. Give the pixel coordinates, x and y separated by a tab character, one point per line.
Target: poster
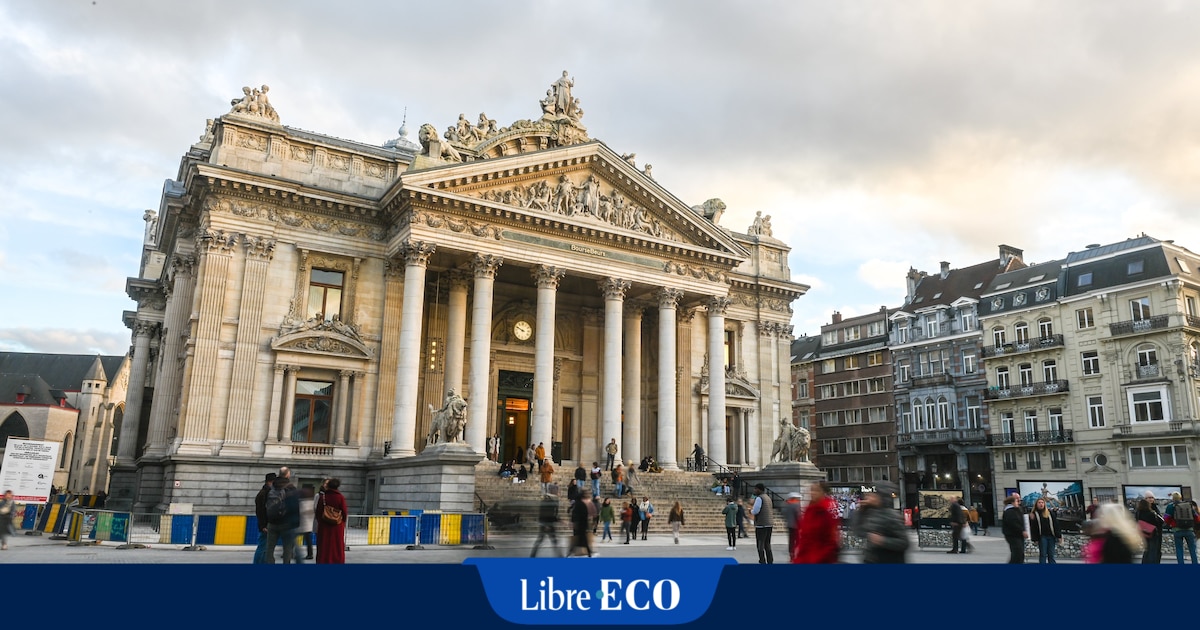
1163	494
28	469
935	506
1064	498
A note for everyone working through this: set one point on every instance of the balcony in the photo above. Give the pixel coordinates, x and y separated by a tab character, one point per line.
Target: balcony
1157	322
1171	428
1193	321
1147	371
932	380
942	436
1031	345
1034	438
1045	388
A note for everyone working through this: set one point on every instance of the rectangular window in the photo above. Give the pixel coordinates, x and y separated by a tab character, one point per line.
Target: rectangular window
852	388
1091	362
1031	423
879	444
1183	266
568	431
853	333
1033	460
1158	456
1002	378
853	362
1147	406
1095	407
876	329
1085	279
902	334
906	418
1056	422
902	372
828	366
973	409
1135	267
1140	309
1084	318
968	361
1190	304
828	418
879	473
968	320
325	294
829	338
1058	459
827	391
312	412
875	358
1021	332
1045	328
877	414
931	326
1049	370
998	337
802	388
943	413
804	419
1010	461
729	348
1025	372
876	385
853	416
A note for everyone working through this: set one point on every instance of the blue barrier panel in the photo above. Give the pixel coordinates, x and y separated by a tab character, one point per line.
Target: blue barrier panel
181	529
31	516
252	532
119	529
431	528
403	530
206	529
472	529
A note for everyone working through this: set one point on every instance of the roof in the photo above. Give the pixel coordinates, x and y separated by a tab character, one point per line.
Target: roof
1034	274
805	348
1112	248
38	391
60	371
971	282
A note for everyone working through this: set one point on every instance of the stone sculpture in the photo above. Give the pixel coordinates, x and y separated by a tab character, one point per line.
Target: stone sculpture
254	102
792	444
432	146
448	422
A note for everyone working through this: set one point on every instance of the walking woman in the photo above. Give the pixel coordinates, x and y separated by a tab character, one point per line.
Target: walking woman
1043	528
631	523
331	524
675	520
606	517
1151	523
8	510
1119	537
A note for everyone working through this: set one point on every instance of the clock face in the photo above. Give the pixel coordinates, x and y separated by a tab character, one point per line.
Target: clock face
523	330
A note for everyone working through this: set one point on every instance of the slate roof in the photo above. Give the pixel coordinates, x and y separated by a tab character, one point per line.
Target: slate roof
805	348
38	391
60	371
970	282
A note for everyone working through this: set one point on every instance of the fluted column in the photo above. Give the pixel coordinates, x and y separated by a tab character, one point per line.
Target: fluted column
127	445
716	378
668	301
547	278
276	404
404	420
614	298
343	397
237	430
175	327
289	403
631	435
456	333
478	399
215	249
356	412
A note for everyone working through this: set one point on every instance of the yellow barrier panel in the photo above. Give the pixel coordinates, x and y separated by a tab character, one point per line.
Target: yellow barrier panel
231	530
164	529
451	529
379	530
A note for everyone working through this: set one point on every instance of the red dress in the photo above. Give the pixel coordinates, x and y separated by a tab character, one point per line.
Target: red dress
331	539
820	534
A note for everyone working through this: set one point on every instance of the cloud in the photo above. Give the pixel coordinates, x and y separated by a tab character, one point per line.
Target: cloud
63	341
884	275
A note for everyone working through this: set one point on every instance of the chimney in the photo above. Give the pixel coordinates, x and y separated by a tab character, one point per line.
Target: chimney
837	317
1007	253
911	280
945	269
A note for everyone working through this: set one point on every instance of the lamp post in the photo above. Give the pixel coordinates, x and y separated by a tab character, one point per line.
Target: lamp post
933	469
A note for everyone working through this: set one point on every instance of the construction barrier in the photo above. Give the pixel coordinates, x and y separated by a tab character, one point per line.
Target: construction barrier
109	526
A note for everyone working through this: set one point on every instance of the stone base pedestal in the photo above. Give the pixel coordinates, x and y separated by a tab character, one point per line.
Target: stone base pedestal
442	478
783	478
122	487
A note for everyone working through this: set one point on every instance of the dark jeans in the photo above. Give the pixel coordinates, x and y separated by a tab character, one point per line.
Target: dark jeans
610	462
762	539
956	538
645	527
546	531
741	529
1016	550
731	532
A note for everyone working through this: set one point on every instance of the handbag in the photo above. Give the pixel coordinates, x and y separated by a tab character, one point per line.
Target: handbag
1148	528
331	515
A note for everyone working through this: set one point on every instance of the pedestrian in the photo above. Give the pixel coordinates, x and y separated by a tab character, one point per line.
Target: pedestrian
308	524
595	474
791	511
647	511
1012	525
8	510
495	448
1043	528
1151	522
547	524
820	529
573	491
675	520
618	477
731	522
580	524
1181	515
761	510
885	541
539	454
283	516
522	474
741	519
631	477
546	470
606	518
610	450
260	516
1119	537
973	520
1091	509
958	521
635	516
580	475
700	464
530	456
331	524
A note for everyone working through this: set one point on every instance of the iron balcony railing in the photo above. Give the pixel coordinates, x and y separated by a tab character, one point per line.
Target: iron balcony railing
930	380
1035	437
1021	391
1148	370
941	436
1193	321
1017	347
1139	326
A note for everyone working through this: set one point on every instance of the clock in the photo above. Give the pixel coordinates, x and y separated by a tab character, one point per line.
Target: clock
523	330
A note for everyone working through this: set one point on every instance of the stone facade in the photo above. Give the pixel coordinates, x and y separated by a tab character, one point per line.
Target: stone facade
312	301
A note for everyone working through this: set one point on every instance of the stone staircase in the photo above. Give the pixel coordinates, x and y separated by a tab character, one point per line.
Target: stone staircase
701	507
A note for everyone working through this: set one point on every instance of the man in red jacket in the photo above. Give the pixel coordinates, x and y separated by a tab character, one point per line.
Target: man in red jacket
820	529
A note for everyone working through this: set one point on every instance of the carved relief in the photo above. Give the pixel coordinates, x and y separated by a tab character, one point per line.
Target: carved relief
718	305
485	265
440	221
547	276
215	242
253	141
588	199
699	273
668	298
259	247
300	154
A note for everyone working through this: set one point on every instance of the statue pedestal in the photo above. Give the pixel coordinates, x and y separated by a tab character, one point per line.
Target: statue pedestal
783	478
442	478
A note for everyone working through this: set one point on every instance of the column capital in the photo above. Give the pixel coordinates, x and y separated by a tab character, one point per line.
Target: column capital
183	263
346	373
393	269
259	247
668	298
718	304
768	329
614	288
143	328
547	276
685	316
459	279
208	241
417	253
485	265
280	368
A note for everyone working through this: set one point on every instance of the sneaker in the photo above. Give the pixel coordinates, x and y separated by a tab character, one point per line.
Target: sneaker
730	548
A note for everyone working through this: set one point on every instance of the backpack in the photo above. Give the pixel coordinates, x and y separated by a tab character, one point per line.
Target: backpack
1185	516
276	505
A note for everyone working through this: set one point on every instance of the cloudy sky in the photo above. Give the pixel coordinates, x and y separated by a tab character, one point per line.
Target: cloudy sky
878	135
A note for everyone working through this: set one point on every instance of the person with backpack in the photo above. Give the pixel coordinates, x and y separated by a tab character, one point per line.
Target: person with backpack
260	517
595	475
283	517
1181	516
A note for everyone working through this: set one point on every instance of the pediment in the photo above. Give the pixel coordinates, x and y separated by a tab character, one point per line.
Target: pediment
587	185
322	342
735	387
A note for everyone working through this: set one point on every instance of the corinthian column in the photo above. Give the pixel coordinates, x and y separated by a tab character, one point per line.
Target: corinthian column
614	298
127	443
631	435
404	420
456	332
481	349
547	278
716	378
166	386
668	300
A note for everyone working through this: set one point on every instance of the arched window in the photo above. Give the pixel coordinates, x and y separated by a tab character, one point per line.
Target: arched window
118	418
1025	372
14	426
930	412
1147	361
64	454
1045	328
998	336
918	416
1021	332
943	406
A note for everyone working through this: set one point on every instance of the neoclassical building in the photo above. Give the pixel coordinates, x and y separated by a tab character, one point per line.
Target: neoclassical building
310	301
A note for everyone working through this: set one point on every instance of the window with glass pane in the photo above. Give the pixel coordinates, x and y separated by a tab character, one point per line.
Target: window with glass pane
1135	267
1007	425
1050	370
998	336
968	320
943	413
1148	406
1031	422
1045	328
1058	459
325	294
1025	370
1021	332
1147	355
1095	405
1091	362
968	362
802	390
1085	279
312	413
1010	461
973	412
1033	461
902	334
1190	304
931	326
1084	318
1056	421
1140	309
1002	378
902	372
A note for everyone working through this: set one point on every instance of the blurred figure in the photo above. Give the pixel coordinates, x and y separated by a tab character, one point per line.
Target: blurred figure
675	520
1012	525
1147	513
958	521
973	520
1119	537
741	519
547	524
308	501
885	541
581	523
791	511
820	530
8	509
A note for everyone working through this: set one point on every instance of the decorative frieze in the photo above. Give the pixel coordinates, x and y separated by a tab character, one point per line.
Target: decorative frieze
441	221
700	273
303	220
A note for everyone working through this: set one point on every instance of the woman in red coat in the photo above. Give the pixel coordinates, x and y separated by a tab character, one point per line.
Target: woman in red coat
331	537
820	538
